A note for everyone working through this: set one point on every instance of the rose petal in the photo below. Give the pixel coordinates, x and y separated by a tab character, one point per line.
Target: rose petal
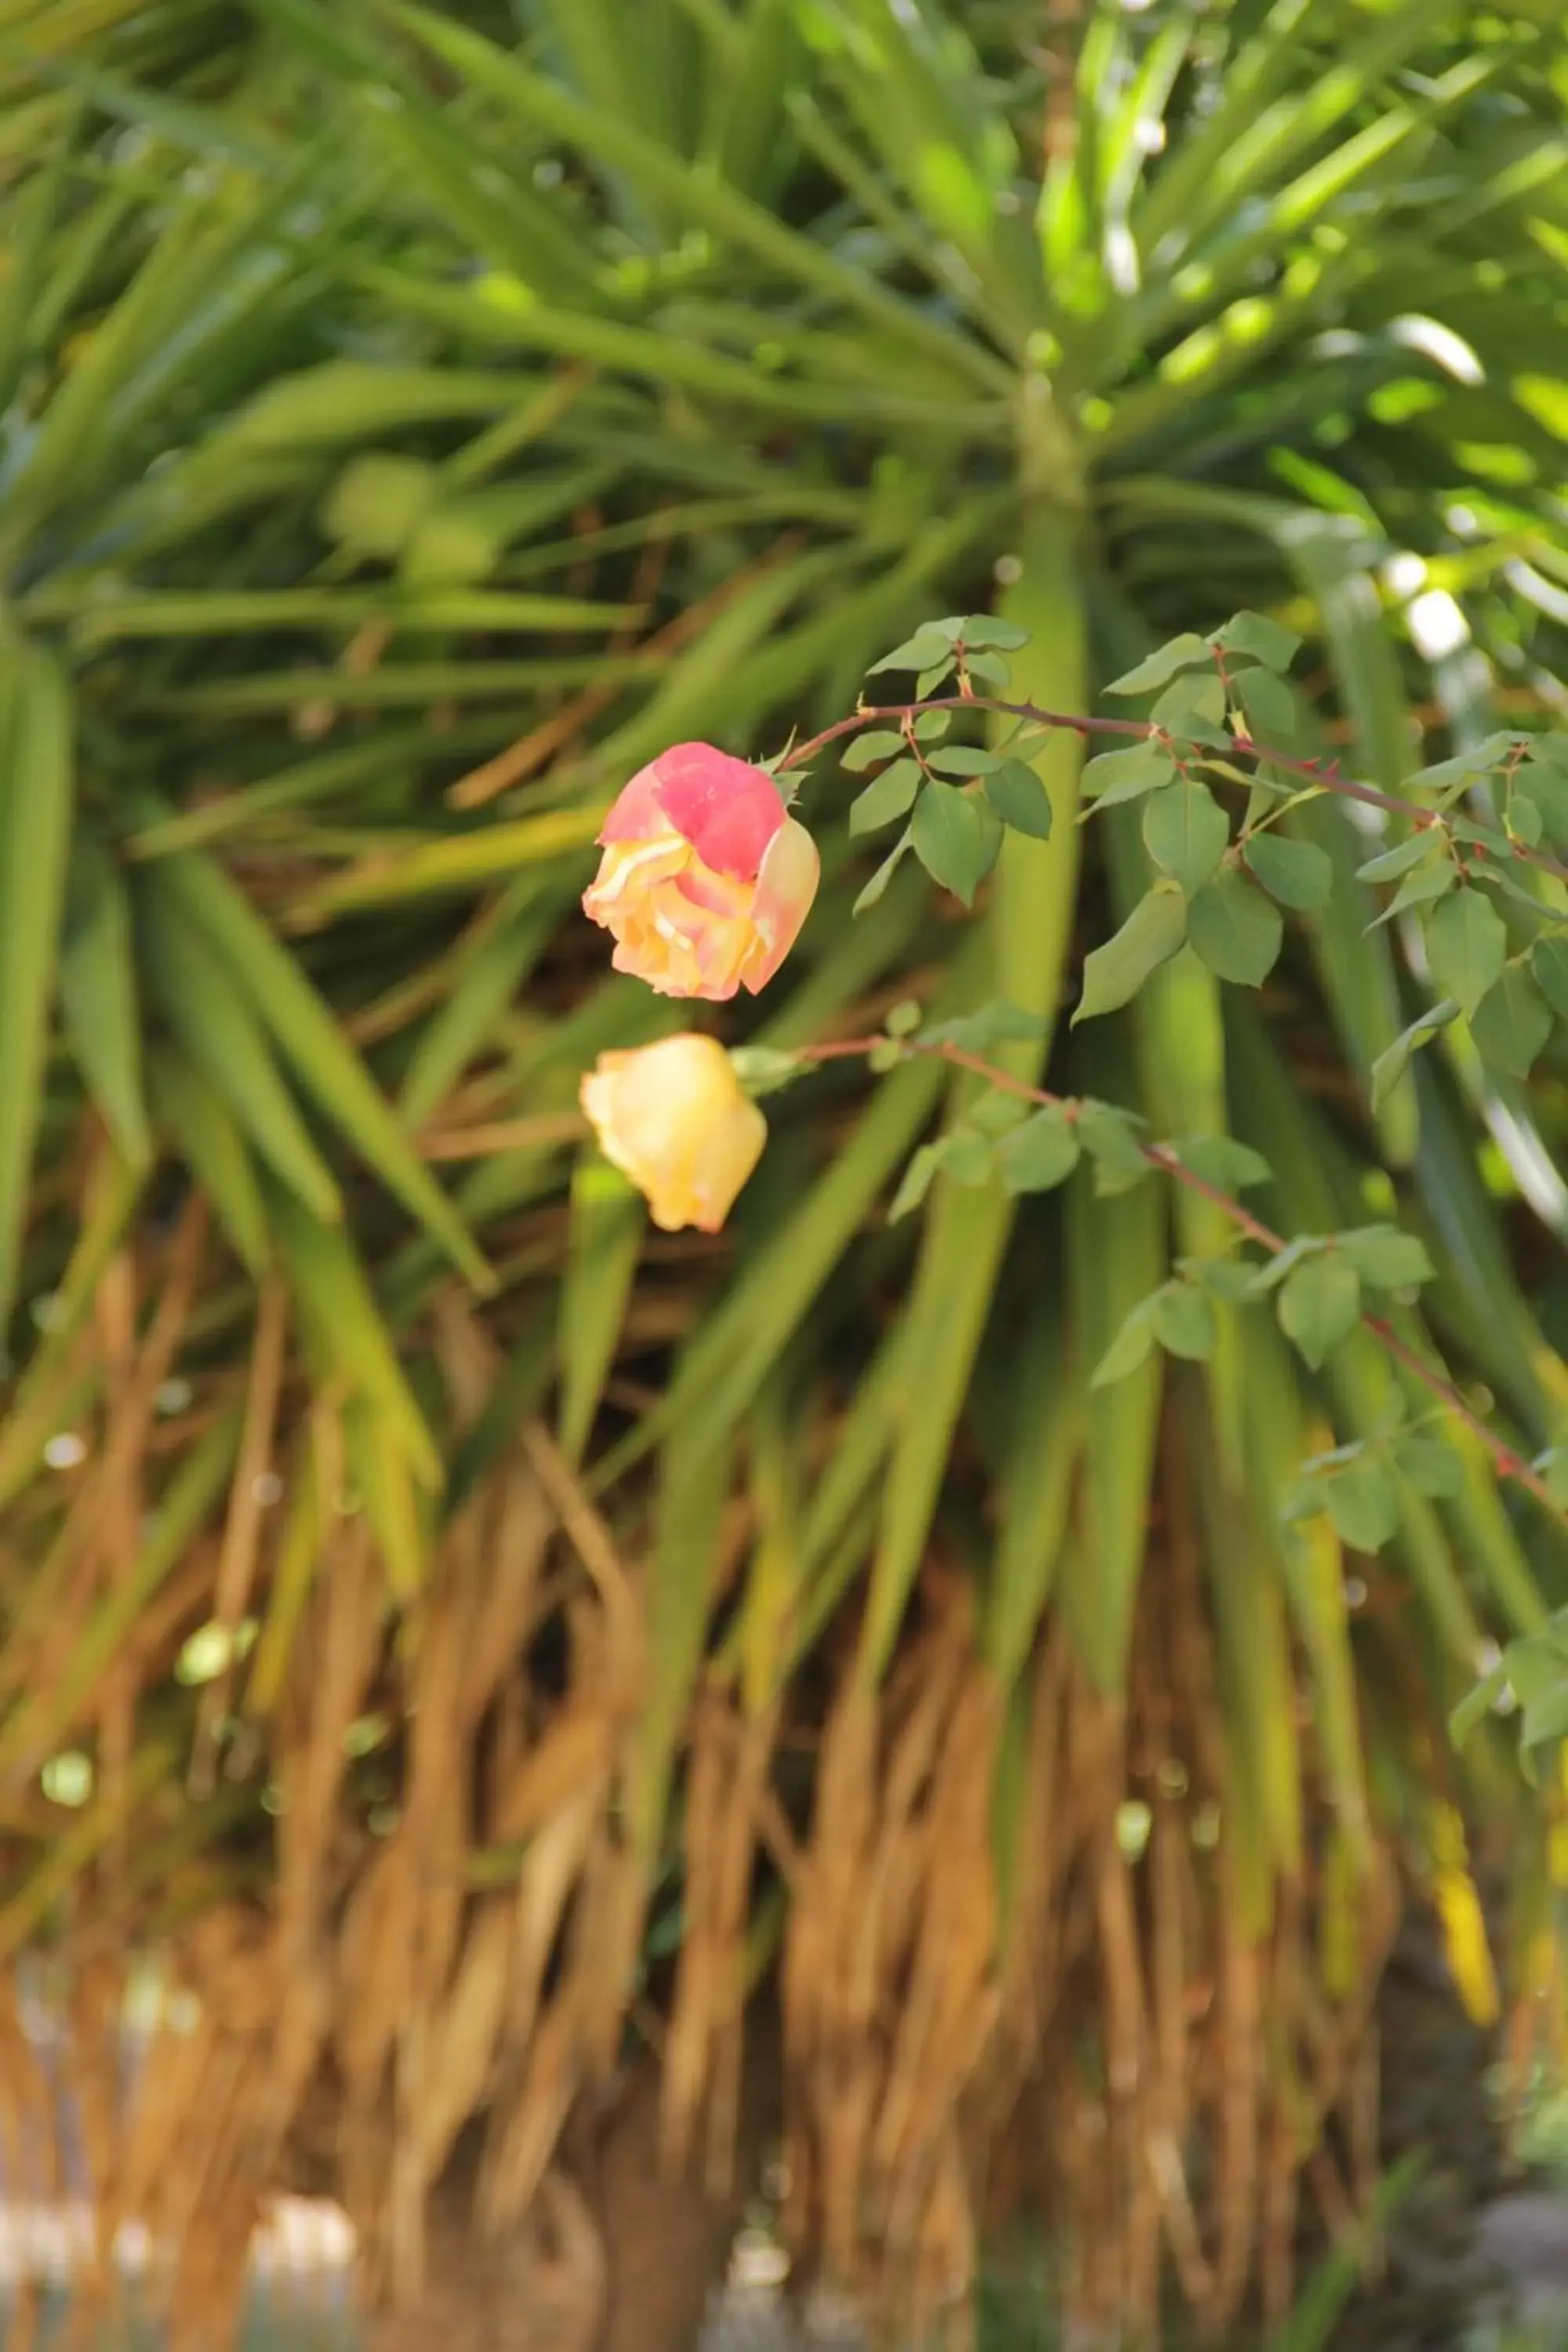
715	892
667	966
629	870
728	810
671	1116
786	886
635	814
723	950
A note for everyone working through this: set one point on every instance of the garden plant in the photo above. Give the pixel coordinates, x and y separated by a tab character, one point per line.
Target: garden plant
783	948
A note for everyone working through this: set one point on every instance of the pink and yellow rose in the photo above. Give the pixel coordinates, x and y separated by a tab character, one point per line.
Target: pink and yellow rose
705	880
673	1117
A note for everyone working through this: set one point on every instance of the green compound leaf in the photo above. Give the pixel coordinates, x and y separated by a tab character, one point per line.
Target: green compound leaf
1467	943
1041	1154
1186	833
1185	652
1319	1305
1020	799
1512	1021
1235	930
1113	974
956	839
1184	1322
1263	640
1362	1501
1298	873
888	798
1393	1061
1115	776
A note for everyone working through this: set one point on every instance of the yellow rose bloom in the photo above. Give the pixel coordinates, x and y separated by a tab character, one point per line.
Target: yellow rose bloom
672	1117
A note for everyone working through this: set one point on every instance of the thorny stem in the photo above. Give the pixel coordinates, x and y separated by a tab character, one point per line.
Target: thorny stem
1507	1463
1325	775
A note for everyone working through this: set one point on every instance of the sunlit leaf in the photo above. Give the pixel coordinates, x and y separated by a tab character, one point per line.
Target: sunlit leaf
1235	930
1467	941
1392	1064
1263	640
1040	1154
955	837
1186	833
1297	873
1319	1305
1127	1350
887	798
1184	652
1386	1257
1512	1021
1020	799
1113	974
1184	1322
1113	776
1363	1503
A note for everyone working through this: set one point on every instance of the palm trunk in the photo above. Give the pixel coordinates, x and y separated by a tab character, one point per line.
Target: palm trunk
625	2258
1436	2101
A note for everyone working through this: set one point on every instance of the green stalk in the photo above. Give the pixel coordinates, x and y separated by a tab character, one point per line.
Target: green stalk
1028	931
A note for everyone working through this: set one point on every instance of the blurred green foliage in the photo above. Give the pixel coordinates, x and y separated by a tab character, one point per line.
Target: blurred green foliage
381	387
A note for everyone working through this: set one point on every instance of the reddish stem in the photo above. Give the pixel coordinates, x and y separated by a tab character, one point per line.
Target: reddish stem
1326	778
1506	1462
